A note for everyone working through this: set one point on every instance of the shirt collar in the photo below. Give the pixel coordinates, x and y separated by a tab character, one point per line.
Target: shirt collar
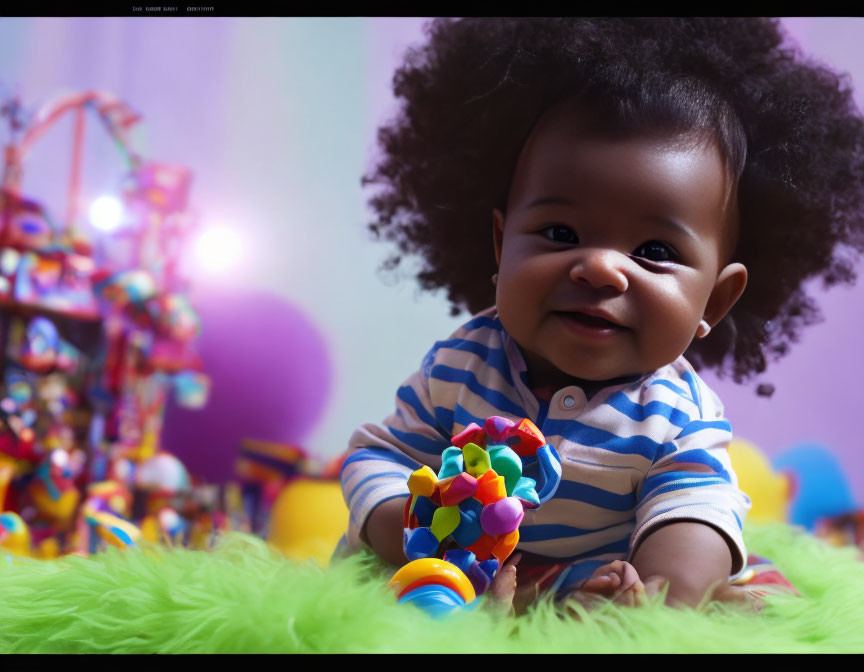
519	368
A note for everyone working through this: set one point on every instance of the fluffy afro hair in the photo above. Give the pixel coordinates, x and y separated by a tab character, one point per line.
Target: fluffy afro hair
471	94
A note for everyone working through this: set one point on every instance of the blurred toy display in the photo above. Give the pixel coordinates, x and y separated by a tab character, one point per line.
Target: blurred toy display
804	485
264	468
843	530
94	337
823	502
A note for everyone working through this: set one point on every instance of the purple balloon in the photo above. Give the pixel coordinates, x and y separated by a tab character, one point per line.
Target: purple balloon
270	377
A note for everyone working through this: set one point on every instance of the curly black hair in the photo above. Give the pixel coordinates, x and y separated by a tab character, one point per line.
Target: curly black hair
787	128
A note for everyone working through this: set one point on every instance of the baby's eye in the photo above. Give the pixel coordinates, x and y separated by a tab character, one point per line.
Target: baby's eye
654	250
560	234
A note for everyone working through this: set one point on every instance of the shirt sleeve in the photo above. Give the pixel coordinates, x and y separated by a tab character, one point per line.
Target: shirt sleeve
692	479
382	456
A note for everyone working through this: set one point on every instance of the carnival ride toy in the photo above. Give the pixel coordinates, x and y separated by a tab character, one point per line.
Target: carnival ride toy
476	502
94	336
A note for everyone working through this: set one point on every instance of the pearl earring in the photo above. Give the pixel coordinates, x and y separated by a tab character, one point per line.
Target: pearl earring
494	278
703	329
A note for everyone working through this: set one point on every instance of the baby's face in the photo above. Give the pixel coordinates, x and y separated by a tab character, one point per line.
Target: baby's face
612	251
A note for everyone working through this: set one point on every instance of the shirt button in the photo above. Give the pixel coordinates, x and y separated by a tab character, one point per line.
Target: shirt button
570	400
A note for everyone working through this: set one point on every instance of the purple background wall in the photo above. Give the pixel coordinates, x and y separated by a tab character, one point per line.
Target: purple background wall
277	118
817	395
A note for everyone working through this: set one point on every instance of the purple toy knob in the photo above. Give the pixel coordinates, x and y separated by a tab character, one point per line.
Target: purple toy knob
501	517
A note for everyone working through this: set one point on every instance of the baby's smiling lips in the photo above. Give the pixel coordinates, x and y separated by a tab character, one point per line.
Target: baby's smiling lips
590	321
589	312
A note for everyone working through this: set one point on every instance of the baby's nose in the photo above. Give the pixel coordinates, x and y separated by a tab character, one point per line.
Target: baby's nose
601	268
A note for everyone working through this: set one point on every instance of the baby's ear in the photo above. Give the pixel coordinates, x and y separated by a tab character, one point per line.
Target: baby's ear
497	233
727	290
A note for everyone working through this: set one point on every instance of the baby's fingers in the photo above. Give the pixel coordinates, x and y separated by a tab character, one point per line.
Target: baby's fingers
513	560
604	584
613	576
740	596
629	577
654	585
633	596
501	593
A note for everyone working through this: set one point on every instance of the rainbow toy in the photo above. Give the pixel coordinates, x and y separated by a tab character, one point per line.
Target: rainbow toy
476	502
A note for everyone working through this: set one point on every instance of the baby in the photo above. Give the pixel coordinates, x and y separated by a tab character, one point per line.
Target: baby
639	175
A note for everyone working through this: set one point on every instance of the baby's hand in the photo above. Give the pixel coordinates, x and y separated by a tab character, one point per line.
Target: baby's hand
618	581
752	600
499	596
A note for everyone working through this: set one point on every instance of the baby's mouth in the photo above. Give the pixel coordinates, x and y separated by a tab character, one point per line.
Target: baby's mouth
589	320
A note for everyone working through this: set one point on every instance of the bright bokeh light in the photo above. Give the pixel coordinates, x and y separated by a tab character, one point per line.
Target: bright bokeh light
106	213
218	248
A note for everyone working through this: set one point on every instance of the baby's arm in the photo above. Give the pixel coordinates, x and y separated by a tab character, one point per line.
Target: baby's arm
382	457
689	509
383	531
693	556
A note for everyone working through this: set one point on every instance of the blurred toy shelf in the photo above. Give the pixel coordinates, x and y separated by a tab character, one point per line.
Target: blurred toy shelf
94	337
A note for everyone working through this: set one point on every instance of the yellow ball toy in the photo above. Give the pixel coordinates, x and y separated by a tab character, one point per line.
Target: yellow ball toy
308	518
769	491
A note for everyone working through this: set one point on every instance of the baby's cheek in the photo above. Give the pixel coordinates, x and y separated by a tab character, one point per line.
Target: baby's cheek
668	330
659	351
517	318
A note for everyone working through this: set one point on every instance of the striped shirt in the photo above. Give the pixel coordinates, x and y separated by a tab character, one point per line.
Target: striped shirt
634	455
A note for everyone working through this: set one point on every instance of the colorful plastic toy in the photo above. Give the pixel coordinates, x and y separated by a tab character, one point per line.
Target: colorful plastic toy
820	487
112	529
165	526
769	490
53	491
111	496
476	501
14	534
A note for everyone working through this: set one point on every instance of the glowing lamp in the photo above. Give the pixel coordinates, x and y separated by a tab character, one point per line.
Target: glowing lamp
106	213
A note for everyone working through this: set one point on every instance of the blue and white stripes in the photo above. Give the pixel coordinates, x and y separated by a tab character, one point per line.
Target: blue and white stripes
634	455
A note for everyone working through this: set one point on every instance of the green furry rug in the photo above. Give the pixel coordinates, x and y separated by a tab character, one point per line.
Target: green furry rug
244	598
